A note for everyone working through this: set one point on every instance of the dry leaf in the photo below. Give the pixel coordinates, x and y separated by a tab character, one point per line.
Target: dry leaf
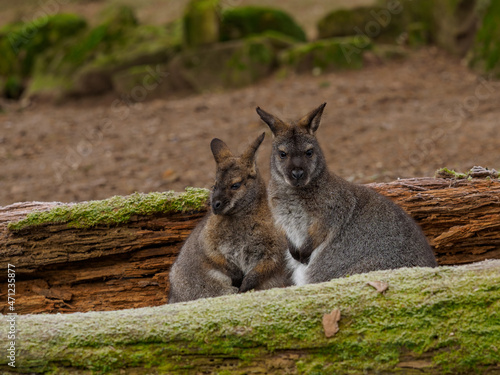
380	286
330	324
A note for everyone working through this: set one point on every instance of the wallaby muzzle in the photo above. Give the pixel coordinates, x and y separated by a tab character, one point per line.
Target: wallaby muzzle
217	202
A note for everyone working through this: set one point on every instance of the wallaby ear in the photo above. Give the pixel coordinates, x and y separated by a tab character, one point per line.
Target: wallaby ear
251	151
274	123
312	119
220	150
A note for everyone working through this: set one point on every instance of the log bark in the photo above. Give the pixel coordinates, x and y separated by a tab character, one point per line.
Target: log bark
428	321
64	268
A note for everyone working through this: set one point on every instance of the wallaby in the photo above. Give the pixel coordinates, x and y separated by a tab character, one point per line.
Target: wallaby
236	247
333	227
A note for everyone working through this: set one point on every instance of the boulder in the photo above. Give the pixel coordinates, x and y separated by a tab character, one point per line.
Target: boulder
229	64
326	55
241	22
451	24
375	22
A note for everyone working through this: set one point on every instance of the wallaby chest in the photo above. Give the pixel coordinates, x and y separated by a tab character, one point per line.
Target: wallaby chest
292	217
238	242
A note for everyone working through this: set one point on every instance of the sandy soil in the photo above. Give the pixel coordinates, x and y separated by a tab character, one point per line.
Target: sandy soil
403	118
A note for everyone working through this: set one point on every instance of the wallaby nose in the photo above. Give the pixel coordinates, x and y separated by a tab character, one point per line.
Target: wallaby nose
297	174
216	205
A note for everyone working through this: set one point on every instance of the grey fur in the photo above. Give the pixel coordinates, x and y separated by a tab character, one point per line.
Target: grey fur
334	228
236	247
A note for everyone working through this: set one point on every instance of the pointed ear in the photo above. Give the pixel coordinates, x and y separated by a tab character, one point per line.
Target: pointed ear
220	150
312	119
250	153
274	123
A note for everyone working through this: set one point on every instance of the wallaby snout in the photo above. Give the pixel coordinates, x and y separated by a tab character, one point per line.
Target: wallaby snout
217	206
297	173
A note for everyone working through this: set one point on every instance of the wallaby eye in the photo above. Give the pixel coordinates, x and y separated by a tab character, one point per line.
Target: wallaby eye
236	186
282	154
309	153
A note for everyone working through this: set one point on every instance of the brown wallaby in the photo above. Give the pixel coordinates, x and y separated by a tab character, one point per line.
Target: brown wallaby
334	228
235	248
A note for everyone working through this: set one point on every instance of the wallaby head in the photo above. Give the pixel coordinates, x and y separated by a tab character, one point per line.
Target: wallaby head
296	156
237	181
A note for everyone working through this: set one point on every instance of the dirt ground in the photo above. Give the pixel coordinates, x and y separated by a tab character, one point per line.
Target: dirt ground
390	120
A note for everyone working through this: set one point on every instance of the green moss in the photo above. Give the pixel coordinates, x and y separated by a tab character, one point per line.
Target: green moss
447	316
326	55
475	172
116	210
449	173
241	22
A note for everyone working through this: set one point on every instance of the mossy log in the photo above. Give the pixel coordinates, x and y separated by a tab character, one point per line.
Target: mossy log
429	321
116	254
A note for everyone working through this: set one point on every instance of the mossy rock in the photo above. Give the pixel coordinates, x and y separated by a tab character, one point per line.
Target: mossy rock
374	22
141	82
485	54
201	22
326	55
146	45
450	24
85	64
230	64
22	43
241	22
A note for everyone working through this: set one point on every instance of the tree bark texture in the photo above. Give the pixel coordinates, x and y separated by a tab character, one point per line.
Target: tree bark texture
110	267
442	320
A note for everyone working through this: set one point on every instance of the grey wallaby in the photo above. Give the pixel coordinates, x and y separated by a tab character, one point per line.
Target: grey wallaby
236	247
334	228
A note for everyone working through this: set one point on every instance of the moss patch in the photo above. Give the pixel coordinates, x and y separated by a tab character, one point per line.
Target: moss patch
116	210
446	317
475	172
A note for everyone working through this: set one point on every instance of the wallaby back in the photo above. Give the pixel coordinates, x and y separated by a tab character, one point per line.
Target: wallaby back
235	248
333	228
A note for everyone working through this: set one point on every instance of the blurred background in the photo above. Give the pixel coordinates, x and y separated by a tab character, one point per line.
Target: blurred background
102	98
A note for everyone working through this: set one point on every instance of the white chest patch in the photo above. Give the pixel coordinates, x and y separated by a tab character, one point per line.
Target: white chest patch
299	275
295	222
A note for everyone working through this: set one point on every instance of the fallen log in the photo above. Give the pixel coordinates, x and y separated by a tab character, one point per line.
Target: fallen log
427	321
116	253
